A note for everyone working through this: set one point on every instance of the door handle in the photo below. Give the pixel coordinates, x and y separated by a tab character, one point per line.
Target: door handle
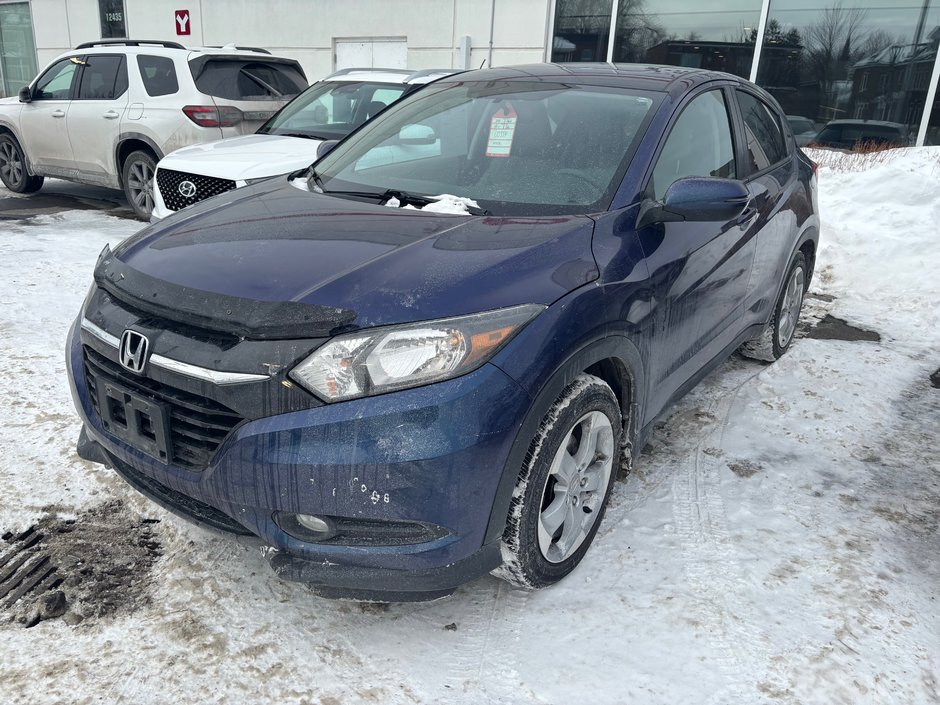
111	115
58	113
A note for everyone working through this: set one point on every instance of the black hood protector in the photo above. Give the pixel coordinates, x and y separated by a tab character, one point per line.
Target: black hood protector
242	317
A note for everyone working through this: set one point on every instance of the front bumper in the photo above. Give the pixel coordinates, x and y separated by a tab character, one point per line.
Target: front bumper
433	455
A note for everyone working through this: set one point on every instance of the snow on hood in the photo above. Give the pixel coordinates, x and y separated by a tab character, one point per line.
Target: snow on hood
245	157
443	203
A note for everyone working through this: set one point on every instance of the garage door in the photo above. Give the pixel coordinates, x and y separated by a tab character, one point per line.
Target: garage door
369	52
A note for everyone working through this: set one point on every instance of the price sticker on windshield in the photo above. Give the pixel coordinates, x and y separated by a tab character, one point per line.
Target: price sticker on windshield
502	129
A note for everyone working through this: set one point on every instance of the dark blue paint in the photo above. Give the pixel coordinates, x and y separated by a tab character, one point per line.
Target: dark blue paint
665	302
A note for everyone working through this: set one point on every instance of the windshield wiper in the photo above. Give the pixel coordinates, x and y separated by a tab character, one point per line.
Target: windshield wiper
304	135
403	197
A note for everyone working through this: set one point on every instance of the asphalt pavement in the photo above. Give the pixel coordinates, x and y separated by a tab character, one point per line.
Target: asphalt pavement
56	196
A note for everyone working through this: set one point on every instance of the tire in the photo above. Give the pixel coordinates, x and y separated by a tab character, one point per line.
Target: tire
779	333
137	178
558	501
13	170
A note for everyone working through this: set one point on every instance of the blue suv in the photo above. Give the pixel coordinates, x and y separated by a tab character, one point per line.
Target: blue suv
427	356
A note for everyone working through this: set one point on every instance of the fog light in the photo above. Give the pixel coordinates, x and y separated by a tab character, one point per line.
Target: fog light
305	527
308	521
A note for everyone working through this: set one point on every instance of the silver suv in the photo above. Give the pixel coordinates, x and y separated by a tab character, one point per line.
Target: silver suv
106	112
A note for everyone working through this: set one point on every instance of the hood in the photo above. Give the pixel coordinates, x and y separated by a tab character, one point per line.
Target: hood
273	243
242	158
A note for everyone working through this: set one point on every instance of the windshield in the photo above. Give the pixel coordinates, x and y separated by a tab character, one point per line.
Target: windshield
332	109
513	147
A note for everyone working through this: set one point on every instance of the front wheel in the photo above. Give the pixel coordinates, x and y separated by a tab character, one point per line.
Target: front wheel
779	334
137	175
561	492
13	171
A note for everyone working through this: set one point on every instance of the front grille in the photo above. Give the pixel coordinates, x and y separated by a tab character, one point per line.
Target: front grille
197	426
168	181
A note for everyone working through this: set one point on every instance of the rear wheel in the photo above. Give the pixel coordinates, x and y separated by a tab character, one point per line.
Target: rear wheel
138	171
13	171
559	498
778	336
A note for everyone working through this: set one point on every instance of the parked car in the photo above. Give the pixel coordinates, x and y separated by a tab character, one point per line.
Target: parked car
328	110
401	374
804	129
853	134
106	112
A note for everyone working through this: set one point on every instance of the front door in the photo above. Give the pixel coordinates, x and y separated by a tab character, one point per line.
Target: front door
44	130
699	270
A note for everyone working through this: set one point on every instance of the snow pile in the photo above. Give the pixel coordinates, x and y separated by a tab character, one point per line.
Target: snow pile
443	203
880	243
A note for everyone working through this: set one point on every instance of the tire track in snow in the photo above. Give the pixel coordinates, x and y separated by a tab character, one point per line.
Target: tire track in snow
713	571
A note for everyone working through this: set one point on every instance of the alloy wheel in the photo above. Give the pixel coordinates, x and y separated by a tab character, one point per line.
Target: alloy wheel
140	185
790	308
576	485
11	164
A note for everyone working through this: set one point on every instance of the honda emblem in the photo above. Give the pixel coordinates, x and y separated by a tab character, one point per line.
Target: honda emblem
134	349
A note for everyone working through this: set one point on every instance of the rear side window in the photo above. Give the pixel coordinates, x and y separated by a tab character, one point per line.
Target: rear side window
103	78
247	80
765	143
698	145
158	74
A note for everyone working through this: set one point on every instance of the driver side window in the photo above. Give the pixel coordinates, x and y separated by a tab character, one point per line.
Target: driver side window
698	145
56	83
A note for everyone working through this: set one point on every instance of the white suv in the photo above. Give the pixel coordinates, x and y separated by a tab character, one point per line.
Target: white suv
328	110
106	112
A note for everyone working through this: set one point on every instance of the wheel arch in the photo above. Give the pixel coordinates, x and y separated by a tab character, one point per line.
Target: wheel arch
8	129
616	361
807	244
129	142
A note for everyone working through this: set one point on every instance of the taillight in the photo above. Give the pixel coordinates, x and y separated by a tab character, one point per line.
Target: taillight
213	116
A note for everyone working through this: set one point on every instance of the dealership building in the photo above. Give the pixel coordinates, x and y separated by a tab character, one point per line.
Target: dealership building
822	59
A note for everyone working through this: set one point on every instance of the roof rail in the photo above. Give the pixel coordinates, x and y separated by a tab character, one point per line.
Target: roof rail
428	72
130	43
257	50
343	72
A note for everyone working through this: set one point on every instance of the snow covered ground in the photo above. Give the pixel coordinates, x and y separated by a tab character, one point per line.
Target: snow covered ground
778	542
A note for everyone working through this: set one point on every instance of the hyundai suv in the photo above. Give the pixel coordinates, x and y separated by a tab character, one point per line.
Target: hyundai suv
108	111
328	110
402	371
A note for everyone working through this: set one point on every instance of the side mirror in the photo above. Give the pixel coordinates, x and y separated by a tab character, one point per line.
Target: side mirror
326	147
709	199
417	134
26	95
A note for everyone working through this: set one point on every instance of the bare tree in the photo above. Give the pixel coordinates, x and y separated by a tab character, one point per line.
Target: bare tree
833	43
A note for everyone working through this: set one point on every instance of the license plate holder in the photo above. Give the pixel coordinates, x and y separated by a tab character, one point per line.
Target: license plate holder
136	419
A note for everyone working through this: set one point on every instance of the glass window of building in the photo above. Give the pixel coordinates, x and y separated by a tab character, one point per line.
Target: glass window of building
860	69
719	36
582	30
17	51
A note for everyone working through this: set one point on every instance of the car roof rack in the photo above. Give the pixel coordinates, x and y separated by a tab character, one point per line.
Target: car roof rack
343	72
130	43
257	50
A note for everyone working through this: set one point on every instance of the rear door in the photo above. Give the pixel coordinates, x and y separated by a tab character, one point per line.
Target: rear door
42	121
699	270
256	87
770	172
94	119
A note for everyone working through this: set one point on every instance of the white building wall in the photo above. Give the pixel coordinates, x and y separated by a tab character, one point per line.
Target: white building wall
306	29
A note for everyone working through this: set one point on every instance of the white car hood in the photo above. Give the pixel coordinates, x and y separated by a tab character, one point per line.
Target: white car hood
245	157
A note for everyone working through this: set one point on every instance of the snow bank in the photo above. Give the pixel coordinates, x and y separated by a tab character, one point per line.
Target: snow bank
880	242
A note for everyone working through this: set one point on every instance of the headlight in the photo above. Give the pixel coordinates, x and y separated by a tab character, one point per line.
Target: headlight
385	359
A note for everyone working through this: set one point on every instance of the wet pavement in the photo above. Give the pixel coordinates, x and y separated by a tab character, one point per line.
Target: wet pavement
57	196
